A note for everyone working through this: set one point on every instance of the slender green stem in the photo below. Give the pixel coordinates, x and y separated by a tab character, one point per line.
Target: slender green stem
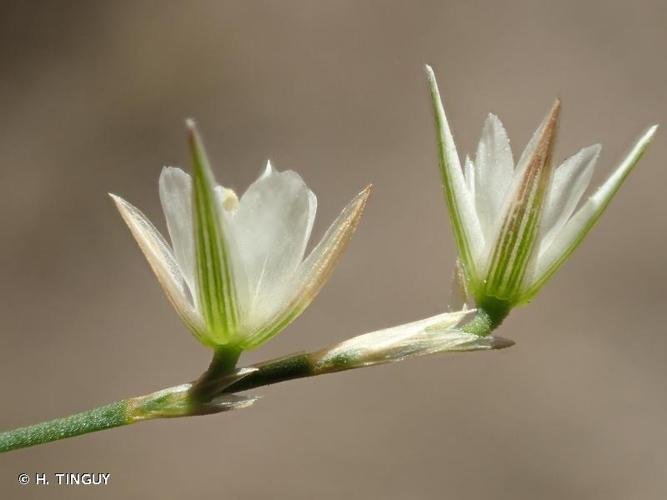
223	363
211	393
97	419
196	398
291	367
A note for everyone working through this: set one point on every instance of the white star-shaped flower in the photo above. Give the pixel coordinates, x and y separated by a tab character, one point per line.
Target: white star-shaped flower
515	224
236	270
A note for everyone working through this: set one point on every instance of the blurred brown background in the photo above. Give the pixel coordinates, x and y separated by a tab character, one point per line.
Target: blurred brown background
93	97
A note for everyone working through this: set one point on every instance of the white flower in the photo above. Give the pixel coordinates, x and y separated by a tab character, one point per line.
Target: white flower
235	270
515	225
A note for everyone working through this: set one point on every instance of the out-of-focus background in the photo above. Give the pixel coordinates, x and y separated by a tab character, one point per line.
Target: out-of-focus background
92	99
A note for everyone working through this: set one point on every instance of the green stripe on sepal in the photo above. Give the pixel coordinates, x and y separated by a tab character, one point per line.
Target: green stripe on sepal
215	281
517	239
587	216
459	203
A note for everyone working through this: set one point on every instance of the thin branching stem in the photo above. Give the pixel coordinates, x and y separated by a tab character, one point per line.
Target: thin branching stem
213	392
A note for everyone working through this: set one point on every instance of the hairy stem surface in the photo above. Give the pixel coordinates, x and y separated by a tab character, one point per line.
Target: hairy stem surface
211	393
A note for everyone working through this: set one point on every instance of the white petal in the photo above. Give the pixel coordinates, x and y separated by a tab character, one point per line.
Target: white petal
478	252
459	200
469	173
313	272
458	292
176	198
569	182
163	264
574	231
270	230
495	166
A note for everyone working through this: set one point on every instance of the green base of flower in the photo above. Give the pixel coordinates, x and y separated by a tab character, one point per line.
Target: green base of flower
489	316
